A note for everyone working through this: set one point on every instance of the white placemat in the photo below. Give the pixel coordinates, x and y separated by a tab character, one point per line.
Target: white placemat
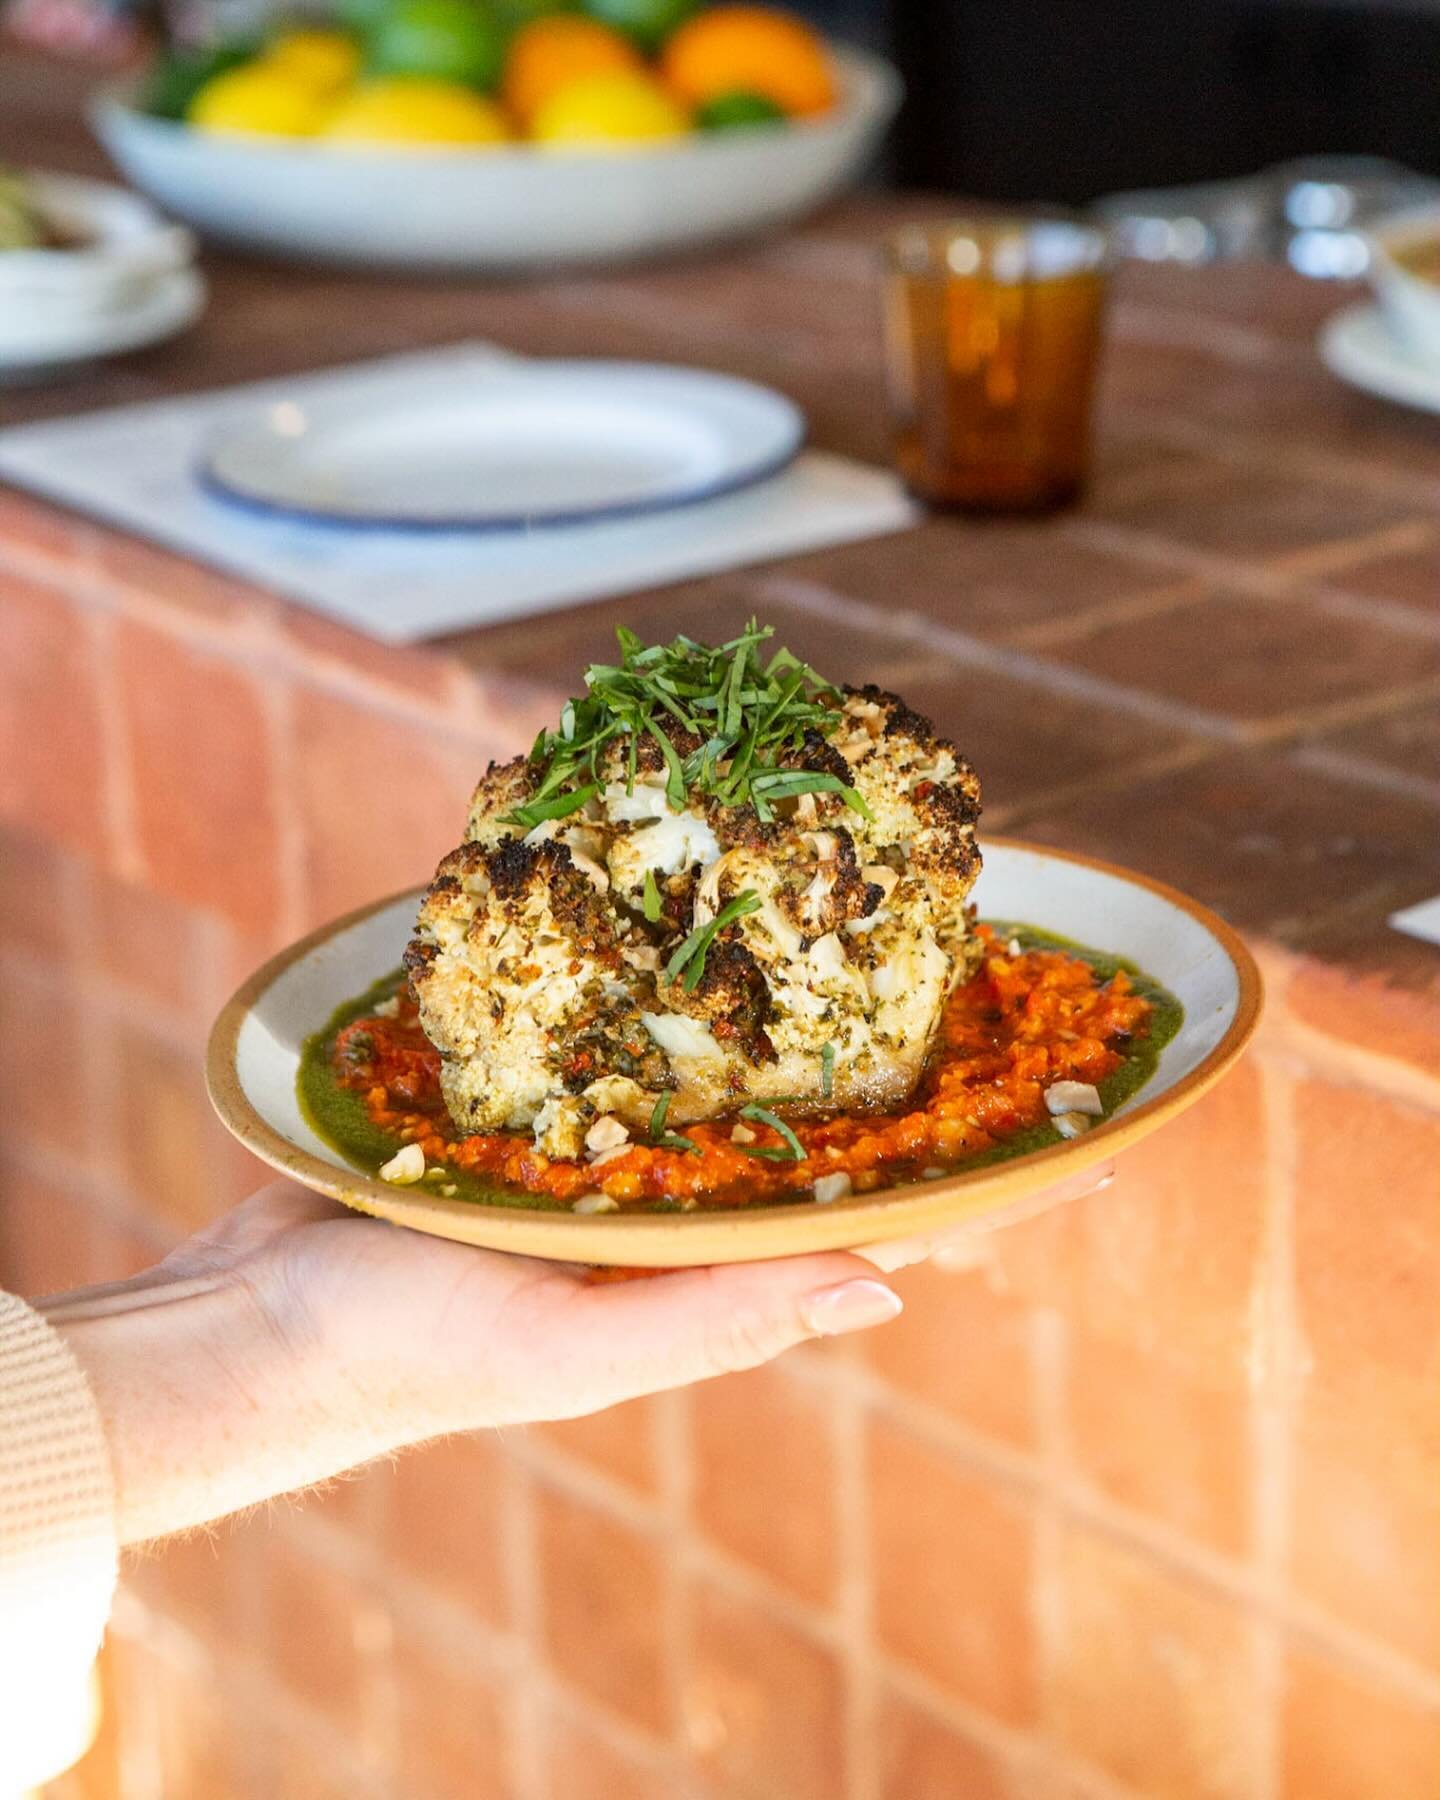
135	467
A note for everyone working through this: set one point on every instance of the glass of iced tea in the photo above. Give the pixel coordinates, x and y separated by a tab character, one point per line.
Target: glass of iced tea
993	332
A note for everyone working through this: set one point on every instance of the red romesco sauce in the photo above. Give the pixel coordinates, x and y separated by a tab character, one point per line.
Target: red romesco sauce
1022	1022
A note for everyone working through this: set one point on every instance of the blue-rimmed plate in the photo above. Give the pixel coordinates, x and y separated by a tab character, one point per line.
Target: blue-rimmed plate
514	447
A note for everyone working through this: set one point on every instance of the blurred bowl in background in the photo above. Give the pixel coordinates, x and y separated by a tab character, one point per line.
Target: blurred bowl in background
509	206
114	250
1405	273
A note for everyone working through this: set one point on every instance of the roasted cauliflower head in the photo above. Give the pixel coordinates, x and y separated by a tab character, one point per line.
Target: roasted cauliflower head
763	900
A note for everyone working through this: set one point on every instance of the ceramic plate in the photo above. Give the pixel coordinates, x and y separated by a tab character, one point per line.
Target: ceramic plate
1359	346
516	446
38	347
255	1048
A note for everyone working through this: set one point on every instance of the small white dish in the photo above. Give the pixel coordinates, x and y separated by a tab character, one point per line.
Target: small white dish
1411	303
49	346
1359	346
118	247
512	447
255	1047
508	206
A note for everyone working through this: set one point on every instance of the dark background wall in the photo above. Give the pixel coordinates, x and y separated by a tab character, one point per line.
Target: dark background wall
1067	99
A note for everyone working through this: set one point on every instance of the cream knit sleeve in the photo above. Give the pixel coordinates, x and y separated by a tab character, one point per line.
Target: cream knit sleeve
57	1548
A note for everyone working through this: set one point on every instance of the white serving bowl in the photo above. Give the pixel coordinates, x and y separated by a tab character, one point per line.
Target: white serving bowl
512	206
123	249
1411	304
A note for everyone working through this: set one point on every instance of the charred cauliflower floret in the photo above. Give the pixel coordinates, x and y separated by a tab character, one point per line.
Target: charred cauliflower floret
720	880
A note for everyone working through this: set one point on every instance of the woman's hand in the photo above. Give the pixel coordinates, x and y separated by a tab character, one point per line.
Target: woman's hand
292	1340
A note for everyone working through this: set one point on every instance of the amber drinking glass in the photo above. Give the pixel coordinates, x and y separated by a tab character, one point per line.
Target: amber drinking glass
993	334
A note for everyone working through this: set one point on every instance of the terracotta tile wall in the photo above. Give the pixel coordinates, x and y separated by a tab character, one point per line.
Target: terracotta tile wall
1145	1504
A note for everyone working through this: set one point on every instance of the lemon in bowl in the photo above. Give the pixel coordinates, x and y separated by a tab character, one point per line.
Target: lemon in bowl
413	110
325	60
259	98
607	112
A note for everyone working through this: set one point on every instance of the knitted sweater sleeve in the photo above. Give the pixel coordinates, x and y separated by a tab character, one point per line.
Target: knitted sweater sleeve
57	1549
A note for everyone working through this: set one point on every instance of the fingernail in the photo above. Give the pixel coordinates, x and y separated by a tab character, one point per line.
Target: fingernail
853	1306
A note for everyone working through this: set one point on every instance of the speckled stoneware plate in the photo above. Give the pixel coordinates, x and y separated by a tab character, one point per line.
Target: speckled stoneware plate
254	1058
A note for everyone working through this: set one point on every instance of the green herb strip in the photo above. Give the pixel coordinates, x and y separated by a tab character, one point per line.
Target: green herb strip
651	899
691	954
794	1151
660	1137
748	713
558	806
827	1071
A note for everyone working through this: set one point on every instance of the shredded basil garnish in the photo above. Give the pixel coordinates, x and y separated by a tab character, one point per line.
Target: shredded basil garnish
748	713
691	954
827	1071
660	1137
794	1150
651	899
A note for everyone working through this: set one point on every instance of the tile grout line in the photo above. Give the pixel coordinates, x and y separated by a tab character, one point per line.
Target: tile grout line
1364	609
672	1438
1268	452
121	829
1357	709
524	1586
1130	609
1275	581
1361	770
277	704
1319	560
1049	1359
854	1599
1272	1419
1191	754
819	601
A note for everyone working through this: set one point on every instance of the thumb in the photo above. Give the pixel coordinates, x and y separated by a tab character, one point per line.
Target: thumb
621	1339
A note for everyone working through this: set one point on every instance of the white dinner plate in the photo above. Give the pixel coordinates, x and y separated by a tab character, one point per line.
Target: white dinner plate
49	344
516	446
1359	346
254	1060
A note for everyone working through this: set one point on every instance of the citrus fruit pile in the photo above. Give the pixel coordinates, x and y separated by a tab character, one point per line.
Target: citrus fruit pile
561	73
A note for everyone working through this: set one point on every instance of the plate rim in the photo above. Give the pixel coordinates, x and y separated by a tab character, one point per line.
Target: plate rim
750	474
1407	382
675	1240
175	302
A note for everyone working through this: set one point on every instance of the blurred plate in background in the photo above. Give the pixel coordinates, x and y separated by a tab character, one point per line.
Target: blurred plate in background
1359	346
522	445
50	343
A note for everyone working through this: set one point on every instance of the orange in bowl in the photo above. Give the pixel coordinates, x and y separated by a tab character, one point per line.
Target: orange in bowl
750	49
557	50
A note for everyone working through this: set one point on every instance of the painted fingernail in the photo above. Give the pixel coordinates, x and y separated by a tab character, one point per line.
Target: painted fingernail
853	1306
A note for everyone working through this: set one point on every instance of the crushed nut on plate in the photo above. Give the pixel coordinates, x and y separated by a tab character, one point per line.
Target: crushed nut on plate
1074	1097
405	1167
